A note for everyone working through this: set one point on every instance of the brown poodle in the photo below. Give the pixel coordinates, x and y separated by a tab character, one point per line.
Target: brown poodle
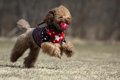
50	39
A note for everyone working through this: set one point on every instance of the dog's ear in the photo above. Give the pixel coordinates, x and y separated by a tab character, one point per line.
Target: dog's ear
50	16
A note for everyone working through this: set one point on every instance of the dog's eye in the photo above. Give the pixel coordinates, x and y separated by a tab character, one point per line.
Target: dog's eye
61	17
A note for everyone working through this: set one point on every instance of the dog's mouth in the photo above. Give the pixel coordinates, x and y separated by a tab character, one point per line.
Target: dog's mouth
63	26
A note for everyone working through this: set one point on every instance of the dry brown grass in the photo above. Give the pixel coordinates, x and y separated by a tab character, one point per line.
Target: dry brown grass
90	62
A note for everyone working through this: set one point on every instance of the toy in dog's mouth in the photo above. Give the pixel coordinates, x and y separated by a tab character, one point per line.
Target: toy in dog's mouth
63	26
60	26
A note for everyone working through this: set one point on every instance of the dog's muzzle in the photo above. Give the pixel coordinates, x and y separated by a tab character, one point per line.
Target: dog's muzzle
60	27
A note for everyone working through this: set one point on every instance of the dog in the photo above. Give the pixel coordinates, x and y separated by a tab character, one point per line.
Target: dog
50	38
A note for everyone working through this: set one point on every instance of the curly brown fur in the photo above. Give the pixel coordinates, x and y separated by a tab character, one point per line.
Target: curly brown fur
67	48
58	14
25	41
23	24
51	49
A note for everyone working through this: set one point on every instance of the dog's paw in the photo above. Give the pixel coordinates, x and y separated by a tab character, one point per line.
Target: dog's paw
51	49
67	48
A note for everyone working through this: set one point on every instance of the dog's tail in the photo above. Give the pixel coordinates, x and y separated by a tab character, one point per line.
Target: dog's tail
23	24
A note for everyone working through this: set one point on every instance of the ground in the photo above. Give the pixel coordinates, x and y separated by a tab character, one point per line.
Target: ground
90	62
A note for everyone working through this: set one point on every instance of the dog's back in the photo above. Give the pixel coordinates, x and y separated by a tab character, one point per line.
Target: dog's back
40	35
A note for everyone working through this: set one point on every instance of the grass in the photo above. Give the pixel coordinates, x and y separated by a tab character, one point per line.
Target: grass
90	62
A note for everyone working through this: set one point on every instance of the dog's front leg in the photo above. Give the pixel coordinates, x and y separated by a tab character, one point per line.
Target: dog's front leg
51	49
67	48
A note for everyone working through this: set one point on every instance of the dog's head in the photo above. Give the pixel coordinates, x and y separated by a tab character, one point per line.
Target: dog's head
59	17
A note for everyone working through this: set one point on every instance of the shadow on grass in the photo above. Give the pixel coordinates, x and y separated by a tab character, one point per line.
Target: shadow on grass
50	68
22	67
11	66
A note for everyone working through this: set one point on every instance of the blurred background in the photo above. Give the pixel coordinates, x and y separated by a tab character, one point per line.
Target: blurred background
95	33
94	20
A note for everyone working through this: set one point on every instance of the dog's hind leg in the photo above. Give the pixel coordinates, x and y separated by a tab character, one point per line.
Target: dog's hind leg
31	58
18	50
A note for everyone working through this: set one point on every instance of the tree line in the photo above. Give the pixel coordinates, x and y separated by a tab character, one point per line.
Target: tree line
92	19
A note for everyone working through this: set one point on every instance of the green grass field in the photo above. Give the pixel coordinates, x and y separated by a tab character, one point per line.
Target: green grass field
90	62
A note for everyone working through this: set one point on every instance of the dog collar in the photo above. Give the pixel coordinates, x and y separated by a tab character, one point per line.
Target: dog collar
55	26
